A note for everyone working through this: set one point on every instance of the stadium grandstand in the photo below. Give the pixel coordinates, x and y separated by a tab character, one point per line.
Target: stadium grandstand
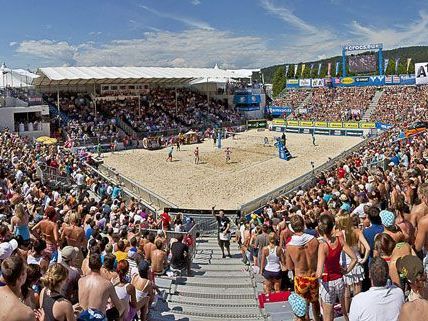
149	193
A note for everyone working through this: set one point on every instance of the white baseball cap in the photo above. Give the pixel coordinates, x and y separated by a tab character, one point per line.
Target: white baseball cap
7	248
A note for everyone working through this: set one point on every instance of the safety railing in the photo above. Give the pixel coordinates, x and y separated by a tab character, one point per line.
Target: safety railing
145	194
128	193
172	234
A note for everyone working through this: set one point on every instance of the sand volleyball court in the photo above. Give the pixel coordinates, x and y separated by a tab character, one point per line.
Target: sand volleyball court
253	171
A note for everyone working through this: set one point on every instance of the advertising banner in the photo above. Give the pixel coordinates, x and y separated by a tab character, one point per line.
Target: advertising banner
292	83
359	81
421	73
279	121
335	125
321	124
305	82
319	69
278	110
392	80
409	79
350	125
317	82
247	99
294	123
306	123
367	125
257	123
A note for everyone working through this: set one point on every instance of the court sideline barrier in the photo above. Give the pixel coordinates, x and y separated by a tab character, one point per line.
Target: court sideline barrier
153	199
301	181
127	193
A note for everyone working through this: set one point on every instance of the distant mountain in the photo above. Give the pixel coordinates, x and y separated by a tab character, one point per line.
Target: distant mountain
417	53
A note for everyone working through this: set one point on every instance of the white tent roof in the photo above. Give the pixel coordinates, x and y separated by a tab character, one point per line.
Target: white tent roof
15	77
102	75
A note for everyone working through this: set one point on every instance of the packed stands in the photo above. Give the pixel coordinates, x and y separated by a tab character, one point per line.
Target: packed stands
402	104
338	104
292	98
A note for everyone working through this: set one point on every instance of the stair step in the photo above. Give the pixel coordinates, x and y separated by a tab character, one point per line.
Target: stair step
225	313
215	293
243	283
213	302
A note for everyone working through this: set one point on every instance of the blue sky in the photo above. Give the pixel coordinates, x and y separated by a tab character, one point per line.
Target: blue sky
200	33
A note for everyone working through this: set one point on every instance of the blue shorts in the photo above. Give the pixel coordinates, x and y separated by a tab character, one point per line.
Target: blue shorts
92	315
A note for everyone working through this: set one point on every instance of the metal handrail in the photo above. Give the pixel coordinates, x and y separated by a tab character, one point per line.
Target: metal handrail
127	192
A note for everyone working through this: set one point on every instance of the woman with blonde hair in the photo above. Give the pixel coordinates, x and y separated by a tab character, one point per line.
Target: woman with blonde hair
347	227
54	304
20	223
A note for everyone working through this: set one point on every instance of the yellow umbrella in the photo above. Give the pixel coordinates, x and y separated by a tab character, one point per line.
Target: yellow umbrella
41	139
50	141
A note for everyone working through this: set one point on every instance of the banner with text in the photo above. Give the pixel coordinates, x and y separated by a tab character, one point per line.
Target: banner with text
421	73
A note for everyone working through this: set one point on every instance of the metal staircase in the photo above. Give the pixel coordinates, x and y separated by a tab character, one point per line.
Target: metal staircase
373	105
221	289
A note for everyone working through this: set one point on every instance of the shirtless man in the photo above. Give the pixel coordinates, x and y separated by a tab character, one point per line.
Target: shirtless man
301	256
149	247
94	292
420	210
159	258
14	274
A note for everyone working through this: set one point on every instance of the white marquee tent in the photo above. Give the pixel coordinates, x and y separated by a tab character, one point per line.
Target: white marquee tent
70	76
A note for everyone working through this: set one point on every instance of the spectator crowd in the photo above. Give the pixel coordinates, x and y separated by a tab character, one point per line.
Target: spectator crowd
354	240
78	251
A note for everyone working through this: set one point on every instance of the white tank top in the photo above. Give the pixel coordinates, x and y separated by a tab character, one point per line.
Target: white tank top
272	259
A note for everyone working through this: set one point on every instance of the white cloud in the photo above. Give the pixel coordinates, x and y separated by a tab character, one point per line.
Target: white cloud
95	33
397	36
190	22
288	16
56	51
190	48
13	43
195	2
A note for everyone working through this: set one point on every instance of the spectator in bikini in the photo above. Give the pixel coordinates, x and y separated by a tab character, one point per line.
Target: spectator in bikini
48	229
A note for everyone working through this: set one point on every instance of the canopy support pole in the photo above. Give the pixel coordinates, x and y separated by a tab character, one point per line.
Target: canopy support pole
176	102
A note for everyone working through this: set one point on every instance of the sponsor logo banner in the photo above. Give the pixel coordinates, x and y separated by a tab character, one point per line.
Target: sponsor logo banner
321	124
258	123
294	123
367	125
361	79
335	125
377	80
350	125
318	82
305	82
278	110
293	81
306	123
421	73
278	121
363	47
347	80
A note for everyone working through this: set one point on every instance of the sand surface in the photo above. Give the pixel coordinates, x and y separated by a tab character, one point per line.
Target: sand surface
254	169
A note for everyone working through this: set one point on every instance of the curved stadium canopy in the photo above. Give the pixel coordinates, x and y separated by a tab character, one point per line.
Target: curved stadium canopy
69	76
